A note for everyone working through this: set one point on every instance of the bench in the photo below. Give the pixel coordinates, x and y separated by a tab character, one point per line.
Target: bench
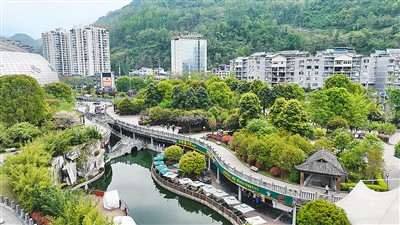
255	169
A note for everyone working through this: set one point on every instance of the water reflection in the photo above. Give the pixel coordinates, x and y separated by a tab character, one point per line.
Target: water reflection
148	202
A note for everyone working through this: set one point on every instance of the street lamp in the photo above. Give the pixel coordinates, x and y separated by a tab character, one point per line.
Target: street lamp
387	180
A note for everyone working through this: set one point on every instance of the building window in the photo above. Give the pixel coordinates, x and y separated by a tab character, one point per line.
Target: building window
316	67
308	67
315	84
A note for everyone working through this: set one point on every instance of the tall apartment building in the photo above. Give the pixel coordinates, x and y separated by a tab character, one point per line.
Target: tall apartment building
188	54
56	49
90	50
377	70
82	50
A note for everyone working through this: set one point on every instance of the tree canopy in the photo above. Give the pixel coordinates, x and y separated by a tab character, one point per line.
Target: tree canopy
59	90
320	212
192	163
22	100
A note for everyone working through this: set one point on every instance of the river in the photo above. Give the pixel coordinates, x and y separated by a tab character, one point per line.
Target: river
148	202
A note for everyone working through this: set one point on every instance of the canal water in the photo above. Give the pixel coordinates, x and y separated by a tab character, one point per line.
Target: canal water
148	202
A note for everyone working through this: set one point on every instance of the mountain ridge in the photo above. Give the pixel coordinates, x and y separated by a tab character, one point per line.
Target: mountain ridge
140	32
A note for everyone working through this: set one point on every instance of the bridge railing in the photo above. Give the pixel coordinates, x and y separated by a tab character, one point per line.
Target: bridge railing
284	190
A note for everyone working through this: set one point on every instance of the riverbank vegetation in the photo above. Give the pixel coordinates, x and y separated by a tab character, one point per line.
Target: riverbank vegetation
38	135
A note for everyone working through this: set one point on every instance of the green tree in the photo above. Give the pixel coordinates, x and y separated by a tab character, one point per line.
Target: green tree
220	94
342	140
249	108
137	83
214	111
190	99
177	97
125	106
202	98
59	90
286	156
256	86
291	116
22	100
192	163
265	97
320	212
149	80
232	122
232	83
337	122
23	131
338	81
152	95
123	84
165	88
173	152
243	87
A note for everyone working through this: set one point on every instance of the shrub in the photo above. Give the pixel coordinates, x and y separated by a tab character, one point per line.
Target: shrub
275	171
192	163
321	212
397	150
294	176
173	152
226	138
319	133
215	137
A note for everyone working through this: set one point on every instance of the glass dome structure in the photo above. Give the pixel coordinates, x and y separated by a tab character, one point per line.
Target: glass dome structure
20	62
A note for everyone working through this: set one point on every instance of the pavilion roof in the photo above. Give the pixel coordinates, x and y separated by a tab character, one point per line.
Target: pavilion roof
322	162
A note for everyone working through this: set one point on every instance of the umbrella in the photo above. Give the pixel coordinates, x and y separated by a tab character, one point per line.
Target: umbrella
197	183
185	181
176	165
244	208
158	163
164	171
158	158
170	175
161	167
231	200
209	189
256	220
160	154
220	193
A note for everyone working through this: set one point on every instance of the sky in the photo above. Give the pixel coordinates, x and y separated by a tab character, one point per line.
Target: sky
33	17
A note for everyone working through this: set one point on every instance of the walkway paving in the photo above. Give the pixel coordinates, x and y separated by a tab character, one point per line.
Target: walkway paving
229	158
8	217
392	164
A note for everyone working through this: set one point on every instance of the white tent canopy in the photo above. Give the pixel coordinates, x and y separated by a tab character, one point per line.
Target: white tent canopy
208	189
244	208
365	206
124	220
231	200
256	220
111	200
220	193
185	181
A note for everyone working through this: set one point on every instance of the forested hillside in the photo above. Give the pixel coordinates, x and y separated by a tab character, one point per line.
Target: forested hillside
141	32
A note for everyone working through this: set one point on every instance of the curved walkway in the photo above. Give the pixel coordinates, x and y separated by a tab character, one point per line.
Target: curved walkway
392	164
8	217
237	168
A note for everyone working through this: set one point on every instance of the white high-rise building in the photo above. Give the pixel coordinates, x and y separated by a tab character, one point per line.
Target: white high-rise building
83	50
90	50
188	54
56	49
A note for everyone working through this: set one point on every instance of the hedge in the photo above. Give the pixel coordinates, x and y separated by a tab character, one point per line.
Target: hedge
380	187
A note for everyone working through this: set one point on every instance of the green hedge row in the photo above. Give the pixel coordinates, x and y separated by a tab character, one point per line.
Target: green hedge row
380	186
